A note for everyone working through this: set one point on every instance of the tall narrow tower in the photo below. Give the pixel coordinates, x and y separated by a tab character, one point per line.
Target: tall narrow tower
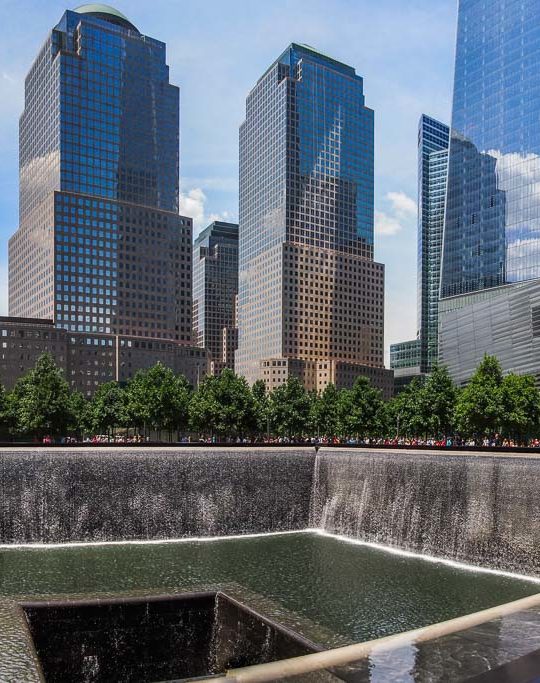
433	139
311	297
100	246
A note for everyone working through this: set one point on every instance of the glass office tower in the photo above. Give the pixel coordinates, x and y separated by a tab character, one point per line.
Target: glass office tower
215	289
100	246
310	295
417	357
433	138
492	225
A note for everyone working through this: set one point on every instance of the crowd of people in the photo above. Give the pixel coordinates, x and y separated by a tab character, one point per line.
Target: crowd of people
445	442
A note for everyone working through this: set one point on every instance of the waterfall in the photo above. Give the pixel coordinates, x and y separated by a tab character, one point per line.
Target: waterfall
59	496
480	509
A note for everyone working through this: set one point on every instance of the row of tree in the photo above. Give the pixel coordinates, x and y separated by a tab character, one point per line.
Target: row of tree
159	401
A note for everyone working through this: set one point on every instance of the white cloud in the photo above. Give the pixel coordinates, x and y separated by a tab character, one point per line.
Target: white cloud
386	224
222	184
402	204
402	210
192	204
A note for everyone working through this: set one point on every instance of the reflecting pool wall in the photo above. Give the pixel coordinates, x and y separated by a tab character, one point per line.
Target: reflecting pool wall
481	509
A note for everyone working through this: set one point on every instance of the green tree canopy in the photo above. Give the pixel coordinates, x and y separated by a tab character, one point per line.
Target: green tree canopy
6	417
223	405
41	400
80	416
520	400
261	407
108	408
479	409
158	399
406	413
324	412
438	402
360	409
290	409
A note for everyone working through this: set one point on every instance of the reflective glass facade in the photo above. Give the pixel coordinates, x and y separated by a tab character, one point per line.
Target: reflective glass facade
308	286
417	356
215	286
492	226
405	355
101	247
432	173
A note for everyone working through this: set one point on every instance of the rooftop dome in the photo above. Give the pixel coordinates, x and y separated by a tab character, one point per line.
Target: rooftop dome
107	13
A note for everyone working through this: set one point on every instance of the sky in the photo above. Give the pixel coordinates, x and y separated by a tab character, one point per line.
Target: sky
216	51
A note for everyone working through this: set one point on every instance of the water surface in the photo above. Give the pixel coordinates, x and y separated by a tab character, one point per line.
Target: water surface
350	592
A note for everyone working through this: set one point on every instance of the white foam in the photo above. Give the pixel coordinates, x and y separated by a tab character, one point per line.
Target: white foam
157	541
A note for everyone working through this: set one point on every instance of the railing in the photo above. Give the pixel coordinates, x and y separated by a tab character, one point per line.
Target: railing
352	654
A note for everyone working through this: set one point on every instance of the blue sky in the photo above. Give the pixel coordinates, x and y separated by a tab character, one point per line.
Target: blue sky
217	49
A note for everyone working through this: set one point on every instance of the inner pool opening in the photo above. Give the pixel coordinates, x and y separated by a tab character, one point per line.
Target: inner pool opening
155	639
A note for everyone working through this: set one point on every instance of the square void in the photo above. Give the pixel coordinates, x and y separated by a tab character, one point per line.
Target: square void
155	639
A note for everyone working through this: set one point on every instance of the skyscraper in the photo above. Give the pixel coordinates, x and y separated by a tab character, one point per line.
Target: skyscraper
100	246
416	357
311	297
215	288
433	138
490	284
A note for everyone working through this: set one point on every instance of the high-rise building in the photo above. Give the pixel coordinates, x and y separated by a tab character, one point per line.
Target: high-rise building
433	138
490	280
311	297
100	266
215	288
417	357
100	246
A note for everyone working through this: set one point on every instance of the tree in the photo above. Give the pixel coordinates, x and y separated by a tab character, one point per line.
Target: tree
261	407
438	402
406	414
158	399
520	406
223	405
360	409
324	412
41	400
79	413
108	408
290	407
5	412
479	409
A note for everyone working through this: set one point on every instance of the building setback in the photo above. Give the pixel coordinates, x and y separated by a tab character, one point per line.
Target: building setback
491	254
215	289
101	248
311	297
417	357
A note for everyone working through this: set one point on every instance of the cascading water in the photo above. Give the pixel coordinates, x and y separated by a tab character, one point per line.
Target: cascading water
482	510
60	496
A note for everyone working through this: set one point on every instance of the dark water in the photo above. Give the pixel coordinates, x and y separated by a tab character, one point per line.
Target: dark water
349	592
